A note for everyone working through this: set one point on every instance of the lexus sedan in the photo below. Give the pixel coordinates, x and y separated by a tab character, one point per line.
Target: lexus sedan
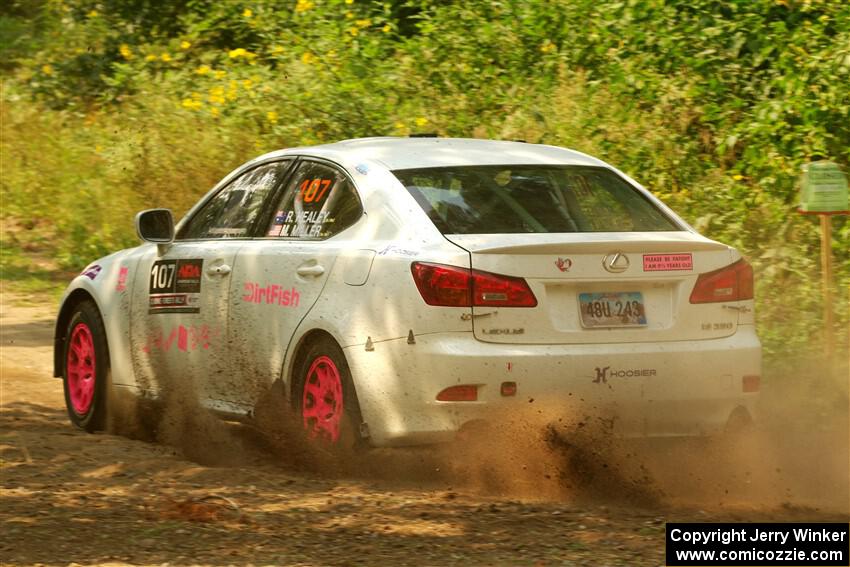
394	290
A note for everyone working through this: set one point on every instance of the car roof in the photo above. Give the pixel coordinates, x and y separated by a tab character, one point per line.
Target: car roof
412	153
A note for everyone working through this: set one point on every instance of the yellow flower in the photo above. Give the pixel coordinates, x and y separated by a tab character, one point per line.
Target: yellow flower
547	47
354	31
150	57
240	52
191	104
248	84
92	14
125	51
165	57
247	13
271	116
277	49
47	69
399	126
216	95
386	28
214	111
98	149
363	23
303	5
349	1
421	121
203	70
220	74
349	15
185	44
307	58
737	177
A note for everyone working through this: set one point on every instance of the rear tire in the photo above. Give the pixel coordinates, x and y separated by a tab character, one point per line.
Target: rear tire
324	397
85	368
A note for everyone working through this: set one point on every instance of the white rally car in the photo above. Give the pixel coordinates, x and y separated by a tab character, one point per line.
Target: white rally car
393	290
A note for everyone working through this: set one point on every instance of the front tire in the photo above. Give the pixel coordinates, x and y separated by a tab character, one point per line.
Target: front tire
324	397
86	369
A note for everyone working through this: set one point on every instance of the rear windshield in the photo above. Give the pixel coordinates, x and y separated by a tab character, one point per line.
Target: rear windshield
522	198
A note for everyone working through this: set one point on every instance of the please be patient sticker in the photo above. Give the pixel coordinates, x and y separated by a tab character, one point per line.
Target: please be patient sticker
667	262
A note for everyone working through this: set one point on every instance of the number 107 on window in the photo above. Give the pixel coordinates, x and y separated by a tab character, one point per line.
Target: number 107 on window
314	189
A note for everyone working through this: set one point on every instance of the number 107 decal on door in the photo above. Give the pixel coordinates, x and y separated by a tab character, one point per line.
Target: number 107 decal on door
175	286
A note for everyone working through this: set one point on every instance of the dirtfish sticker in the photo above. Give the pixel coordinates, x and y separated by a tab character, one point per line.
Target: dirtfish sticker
270	294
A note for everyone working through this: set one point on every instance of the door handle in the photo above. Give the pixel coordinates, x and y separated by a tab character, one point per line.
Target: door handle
314	270
220	270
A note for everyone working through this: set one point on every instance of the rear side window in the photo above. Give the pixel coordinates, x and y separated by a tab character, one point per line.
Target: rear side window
319	202
522	199
233	210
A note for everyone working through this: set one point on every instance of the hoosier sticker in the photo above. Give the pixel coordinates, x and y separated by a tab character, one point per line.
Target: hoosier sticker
667	262
175	286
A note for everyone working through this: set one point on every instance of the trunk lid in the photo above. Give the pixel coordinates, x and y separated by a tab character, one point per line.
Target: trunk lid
653	272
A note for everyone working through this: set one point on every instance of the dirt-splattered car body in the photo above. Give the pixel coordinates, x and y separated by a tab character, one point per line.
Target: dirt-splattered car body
350	245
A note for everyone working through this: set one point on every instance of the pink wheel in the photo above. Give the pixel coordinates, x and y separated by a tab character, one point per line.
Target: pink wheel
85	374
81	368
322	404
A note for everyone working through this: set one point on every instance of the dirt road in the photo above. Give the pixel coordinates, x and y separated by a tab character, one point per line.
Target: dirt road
232	497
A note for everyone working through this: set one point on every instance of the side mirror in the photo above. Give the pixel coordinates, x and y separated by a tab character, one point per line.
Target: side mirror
156	226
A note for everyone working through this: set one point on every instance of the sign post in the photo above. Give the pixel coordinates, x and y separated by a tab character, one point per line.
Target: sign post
823	192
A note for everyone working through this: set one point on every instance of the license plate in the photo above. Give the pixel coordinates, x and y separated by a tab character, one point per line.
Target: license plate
612	309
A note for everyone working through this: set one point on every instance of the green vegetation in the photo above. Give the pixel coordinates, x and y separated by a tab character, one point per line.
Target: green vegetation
112	106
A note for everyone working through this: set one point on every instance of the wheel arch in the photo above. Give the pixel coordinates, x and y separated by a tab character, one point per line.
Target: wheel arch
298	352
74	298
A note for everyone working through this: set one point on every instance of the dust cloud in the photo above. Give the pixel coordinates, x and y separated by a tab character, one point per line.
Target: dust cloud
794	459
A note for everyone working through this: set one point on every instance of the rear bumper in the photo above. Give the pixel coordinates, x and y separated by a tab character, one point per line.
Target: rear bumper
646	389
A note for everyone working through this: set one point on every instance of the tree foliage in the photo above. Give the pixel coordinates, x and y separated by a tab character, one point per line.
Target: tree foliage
114	105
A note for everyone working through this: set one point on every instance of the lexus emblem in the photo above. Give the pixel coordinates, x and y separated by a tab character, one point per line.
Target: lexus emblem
615	262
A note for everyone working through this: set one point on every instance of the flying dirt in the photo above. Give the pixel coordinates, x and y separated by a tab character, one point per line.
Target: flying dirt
180	486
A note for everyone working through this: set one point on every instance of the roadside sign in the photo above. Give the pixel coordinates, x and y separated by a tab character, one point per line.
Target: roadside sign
823	192
823	188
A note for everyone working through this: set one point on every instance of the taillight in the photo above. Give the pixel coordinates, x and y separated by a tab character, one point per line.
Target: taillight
494	290
732	283
442	285
452	286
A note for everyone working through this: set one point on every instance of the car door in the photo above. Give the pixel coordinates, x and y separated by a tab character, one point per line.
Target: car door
280	275
179	309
